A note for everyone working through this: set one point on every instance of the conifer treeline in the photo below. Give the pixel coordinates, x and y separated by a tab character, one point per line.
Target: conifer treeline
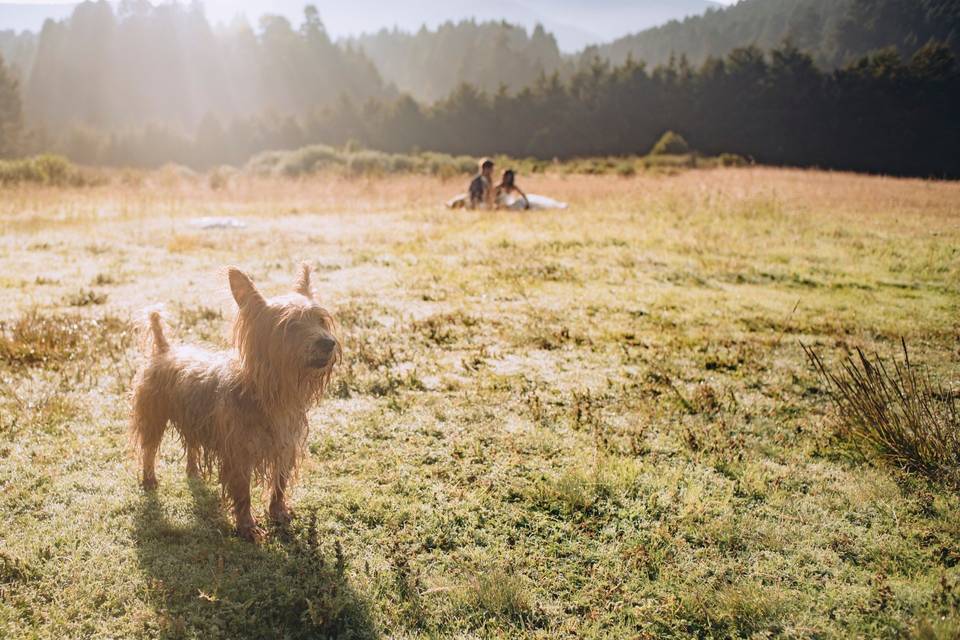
111	68
429	64
11	113
881	113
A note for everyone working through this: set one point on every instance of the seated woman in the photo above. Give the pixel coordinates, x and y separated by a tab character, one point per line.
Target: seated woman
507	195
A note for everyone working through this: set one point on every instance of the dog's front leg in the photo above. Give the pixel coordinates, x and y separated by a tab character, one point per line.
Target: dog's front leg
279	512
193	463
237	481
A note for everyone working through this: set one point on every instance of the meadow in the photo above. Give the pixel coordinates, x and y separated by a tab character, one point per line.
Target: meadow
596	422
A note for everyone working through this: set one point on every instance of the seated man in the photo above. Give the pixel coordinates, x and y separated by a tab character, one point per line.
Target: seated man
481	187
506	195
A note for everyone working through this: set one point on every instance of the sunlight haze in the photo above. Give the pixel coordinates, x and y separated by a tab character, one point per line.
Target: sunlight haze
575	23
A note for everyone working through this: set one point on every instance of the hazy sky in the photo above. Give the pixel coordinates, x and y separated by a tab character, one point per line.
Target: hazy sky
575	23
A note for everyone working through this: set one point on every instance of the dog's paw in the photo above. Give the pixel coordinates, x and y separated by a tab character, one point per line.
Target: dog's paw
281	515
149	484
251	533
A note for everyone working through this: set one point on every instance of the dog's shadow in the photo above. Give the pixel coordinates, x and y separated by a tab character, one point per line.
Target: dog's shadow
205	582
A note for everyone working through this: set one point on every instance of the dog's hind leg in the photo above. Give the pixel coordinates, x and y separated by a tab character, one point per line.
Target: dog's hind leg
148	434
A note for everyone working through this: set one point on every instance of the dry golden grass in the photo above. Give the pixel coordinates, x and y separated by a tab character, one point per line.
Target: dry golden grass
589	423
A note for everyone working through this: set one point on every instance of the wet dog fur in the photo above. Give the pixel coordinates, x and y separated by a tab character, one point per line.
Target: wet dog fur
242	412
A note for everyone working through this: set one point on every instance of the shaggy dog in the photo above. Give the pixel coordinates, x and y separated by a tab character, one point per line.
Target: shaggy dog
242	412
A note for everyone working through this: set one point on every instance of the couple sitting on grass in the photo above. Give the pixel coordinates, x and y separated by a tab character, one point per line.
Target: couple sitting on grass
482	194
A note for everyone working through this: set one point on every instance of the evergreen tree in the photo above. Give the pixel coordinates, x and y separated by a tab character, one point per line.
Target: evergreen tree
11	117
430	64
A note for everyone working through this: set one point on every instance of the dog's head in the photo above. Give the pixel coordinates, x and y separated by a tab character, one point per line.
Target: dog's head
286	343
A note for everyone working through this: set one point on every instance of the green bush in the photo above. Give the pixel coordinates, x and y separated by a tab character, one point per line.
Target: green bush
265	164
308	160
446	166
402	164
670	154
464	164
670	144
731	160
48	170
368	163
357	162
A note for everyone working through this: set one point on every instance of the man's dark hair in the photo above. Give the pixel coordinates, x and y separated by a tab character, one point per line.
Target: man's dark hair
486	163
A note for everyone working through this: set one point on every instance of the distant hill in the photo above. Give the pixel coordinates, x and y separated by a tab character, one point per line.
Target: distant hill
609	19
833	31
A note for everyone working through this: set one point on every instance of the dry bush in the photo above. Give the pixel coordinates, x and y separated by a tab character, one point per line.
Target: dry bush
47	170
38	339
897	411
500	594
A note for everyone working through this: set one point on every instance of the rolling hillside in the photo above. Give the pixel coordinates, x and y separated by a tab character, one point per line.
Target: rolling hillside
834	31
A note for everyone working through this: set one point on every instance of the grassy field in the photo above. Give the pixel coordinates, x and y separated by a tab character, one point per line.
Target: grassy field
590	423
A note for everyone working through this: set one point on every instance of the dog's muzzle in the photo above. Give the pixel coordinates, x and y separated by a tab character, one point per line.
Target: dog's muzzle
323	353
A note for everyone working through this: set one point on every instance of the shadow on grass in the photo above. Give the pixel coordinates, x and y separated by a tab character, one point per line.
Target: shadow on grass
207	583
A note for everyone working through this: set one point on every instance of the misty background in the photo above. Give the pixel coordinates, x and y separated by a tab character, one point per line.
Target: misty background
862	84
575	23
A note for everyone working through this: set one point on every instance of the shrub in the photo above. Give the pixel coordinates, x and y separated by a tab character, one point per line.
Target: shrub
265	163
745	609
671	154
50	340
464	164
499	595
731	160
169	176
307	160
670	144
368	163
48	170
446	166
219	178
400	163
53	170
85	297
357	162
896	411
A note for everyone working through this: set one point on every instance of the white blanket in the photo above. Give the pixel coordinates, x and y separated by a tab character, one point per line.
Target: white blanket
514	202
537	203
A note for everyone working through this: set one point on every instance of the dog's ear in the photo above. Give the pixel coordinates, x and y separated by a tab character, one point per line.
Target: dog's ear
303	281
243	290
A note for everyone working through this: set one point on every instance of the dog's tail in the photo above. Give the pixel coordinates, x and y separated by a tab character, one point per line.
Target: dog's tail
160	344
